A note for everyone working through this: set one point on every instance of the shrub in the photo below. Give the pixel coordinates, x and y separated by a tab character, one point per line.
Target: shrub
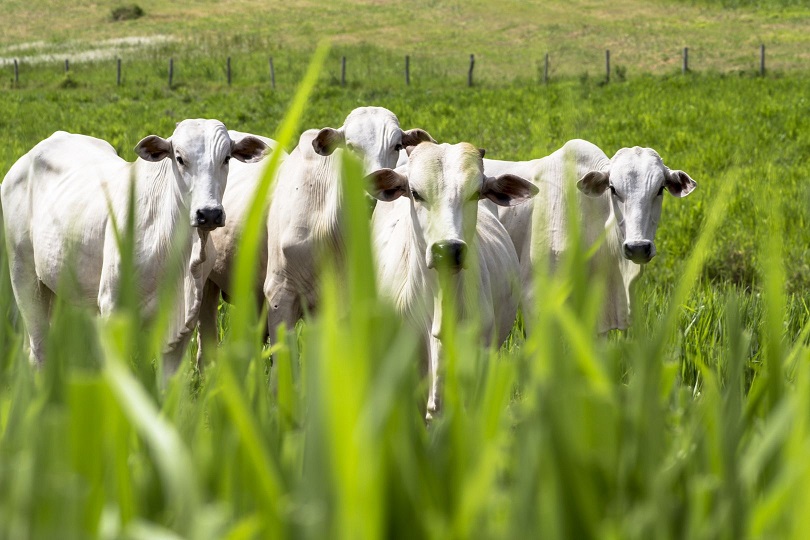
127	13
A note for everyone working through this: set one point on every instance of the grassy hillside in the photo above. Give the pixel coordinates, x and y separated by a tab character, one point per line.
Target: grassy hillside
509	38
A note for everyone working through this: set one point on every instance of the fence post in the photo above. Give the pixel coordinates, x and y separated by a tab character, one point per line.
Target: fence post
343	72
118	73
607	65
171	71
407	70
229	71
685	60
16	72
272	74
470	73
545	71
67	66
762	60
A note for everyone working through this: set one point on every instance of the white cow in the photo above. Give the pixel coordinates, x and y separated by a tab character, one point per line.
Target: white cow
60	200
620	205
436	211
243	180
303	221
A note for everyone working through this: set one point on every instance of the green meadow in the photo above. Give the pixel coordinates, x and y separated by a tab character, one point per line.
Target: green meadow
695	423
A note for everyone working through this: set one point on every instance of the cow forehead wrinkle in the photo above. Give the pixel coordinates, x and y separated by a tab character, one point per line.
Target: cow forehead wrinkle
445	168
361	114
202	138
644	170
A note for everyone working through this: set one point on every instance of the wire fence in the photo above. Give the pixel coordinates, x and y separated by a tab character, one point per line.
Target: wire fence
544	68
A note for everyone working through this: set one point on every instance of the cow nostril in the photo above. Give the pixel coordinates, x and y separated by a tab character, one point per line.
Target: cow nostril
638	251
449	253
210	217
218	217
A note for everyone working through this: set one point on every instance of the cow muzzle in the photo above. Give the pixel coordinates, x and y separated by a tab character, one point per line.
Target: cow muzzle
639	251
209	218
449	254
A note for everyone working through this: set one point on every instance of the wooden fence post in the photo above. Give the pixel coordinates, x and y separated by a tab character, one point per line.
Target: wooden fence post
229	71
171	71
118	73
762	60
343	72
272	74
407	70
685	60
545	71
470	73
16	72
607	65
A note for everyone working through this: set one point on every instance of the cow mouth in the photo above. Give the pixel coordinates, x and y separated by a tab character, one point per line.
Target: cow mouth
640	259
452	269
208	227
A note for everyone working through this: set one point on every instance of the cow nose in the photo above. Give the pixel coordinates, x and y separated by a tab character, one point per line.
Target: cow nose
638	251
210	218
449	253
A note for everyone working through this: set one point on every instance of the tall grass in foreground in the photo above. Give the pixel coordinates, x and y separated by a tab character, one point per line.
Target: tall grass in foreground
563	435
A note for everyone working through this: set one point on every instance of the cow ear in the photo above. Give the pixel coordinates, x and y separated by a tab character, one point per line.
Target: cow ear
327	141
594	183
387	185
508	190
412	137
679	184
249	149
483	152
153	148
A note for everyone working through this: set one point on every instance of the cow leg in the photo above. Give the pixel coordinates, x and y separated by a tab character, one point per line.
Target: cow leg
32	296
433	402
207	335
34	300
284	306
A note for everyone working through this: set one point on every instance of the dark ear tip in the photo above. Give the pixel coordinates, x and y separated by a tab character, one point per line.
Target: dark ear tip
482	152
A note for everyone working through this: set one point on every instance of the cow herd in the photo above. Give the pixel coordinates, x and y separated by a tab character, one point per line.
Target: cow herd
484	224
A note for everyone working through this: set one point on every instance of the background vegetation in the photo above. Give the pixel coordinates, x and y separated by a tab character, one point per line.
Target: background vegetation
692	424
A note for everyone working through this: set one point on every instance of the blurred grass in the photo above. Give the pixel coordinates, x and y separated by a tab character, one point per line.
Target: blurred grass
693	424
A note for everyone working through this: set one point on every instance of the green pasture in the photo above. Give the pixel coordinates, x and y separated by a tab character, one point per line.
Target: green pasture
692	424
509	38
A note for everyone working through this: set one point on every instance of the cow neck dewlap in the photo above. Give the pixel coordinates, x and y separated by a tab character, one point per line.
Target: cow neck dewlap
325	194
162	210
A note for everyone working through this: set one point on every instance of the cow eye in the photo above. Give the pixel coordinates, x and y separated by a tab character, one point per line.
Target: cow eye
661	191
612	189
227	159
180	161
398	147
416	196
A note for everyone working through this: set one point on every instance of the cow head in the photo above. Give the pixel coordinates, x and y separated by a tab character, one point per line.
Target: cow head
635	184
444	184
373	135
199	151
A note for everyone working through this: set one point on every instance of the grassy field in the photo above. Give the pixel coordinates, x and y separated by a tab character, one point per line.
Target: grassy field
509	41
693	424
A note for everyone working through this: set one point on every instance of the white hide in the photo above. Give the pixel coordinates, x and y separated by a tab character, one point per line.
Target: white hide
303	221
441	199
619	202
61	200
243	180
